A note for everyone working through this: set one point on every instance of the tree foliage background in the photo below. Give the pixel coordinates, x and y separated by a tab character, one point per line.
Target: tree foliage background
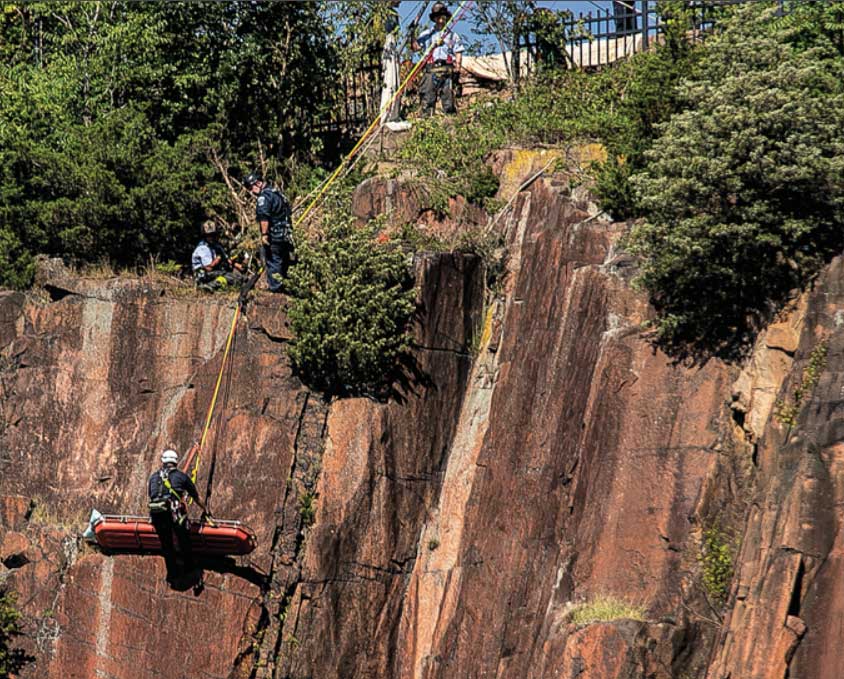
110	111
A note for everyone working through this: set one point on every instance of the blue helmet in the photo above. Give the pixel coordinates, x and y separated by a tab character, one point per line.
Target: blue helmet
251	179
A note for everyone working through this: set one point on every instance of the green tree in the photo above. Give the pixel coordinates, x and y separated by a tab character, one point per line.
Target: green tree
360	27
109	112
507	21
351	304
806	22
743	192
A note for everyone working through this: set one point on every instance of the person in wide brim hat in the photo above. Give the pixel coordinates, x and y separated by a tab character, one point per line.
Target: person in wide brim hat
439	9
443	61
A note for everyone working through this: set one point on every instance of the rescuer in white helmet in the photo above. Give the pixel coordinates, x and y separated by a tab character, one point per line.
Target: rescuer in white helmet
169	489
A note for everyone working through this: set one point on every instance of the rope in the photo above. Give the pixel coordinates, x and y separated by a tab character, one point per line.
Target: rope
222	422
410	76
208	417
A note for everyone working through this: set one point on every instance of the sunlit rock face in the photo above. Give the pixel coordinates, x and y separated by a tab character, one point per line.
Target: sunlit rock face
539	452
99	381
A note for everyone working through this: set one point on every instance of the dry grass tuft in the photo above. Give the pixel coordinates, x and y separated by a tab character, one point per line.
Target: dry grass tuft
605	608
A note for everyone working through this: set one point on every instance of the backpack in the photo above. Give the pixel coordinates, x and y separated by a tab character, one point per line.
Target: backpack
164	498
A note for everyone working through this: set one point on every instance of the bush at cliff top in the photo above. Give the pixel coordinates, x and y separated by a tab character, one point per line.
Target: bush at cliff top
744	191
351	303
619	107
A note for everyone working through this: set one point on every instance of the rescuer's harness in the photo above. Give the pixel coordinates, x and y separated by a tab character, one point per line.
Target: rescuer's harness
166	499
440	67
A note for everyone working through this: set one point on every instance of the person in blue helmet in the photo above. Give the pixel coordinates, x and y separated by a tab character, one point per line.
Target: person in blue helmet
273	214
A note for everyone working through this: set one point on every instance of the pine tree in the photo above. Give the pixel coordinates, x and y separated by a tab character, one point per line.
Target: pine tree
350	308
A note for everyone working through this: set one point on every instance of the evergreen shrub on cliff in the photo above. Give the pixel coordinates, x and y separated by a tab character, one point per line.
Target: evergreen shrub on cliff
744	191
351	304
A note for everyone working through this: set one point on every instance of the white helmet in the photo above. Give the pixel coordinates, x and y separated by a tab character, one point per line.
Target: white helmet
169	455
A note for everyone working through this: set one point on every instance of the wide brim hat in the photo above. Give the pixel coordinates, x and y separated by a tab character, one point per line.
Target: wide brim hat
440	11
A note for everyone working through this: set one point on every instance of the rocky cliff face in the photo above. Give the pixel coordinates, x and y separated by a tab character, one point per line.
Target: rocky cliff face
539	454
788	595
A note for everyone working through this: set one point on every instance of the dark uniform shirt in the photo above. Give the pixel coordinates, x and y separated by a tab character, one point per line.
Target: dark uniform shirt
180	482
273	207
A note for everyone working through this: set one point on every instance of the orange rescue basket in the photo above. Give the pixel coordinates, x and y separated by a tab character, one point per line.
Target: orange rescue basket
136	534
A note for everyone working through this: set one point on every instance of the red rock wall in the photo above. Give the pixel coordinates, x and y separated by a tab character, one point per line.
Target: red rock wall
580	459
575	464
789	596
97	383
540	453
339	608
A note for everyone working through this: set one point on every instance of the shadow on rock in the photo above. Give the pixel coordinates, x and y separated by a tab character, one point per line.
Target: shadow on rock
407	379
230	566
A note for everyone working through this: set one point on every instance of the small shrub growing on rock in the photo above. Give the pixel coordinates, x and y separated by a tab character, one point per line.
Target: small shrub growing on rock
716	560
605	608
351	304
168	268
786	411
307	509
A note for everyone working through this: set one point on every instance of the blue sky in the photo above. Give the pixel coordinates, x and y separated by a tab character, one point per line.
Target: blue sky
409	8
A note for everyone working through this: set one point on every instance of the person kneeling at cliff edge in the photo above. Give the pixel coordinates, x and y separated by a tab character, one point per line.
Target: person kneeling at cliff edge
213	269
273	214
169	489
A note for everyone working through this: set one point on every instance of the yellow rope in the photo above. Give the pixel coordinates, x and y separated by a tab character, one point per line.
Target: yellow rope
226	351
375	122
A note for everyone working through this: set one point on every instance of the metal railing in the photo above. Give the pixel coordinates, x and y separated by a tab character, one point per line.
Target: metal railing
357	100
604	35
